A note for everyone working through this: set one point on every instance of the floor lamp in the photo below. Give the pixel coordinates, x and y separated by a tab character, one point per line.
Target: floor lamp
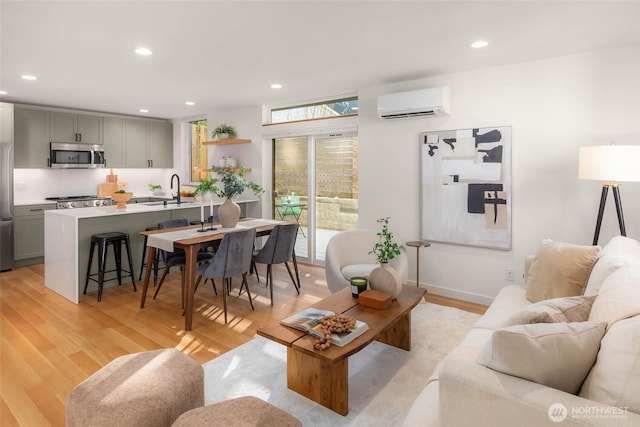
612	164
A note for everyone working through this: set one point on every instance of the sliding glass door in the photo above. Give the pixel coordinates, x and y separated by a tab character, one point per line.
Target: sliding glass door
315	182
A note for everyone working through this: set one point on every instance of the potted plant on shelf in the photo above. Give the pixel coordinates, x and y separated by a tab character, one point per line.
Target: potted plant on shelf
233	183
224	131
385	278
206	188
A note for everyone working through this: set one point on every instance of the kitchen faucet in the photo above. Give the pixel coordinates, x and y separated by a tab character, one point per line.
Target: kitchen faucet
175	175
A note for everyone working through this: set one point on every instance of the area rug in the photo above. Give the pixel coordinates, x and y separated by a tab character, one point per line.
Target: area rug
383	381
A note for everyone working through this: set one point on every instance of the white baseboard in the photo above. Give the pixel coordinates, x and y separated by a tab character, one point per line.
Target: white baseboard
457	294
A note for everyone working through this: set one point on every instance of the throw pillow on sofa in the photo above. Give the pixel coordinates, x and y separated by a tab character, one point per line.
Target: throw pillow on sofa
619	296
556	310
559	270
558	355
620	251
615	377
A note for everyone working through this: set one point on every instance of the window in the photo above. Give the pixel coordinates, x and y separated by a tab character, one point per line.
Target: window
198	150
320	110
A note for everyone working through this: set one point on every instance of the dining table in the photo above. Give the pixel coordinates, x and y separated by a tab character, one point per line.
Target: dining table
192	239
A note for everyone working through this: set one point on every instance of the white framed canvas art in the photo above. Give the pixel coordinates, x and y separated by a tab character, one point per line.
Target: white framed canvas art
465	188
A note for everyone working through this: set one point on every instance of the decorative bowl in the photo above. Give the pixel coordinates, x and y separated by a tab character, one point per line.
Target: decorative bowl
122	198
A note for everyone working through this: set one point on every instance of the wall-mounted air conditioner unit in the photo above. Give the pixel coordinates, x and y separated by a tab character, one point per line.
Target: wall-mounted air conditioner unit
416	103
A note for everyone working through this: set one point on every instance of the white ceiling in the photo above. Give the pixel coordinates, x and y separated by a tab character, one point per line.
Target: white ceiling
227	53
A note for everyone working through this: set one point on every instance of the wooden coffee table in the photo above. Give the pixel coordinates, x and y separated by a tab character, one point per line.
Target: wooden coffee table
323	375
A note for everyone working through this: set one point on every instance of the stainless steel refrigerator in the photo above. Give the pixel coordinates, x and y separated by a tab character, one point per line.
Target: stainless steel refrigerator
6	186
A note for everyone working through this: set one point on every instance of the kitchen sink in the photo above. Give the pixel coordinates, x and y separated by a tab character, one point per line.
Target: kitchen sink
169	202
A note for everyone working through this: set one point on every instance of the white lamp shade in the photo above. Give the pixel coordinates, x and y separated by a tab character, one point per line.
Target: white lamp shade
615	163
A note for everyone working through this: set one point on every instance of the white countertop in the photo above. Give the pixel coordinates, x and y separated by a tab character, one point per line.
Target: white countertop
135	208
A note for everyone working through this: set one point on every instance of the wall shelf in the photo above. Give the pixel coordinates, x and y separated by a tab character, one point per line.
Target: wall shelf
233	169
227	141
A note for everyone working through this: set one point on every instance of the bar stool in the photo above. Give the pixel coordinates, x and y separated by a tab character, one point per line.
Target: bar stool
156	259
102	240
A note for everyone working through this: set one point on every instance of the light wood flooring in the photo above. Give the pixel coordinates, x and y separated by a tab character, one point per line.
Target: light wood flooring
49	345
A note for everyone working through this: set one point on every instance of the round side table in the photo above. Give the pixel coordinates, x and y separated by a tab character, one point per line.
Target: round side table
418	244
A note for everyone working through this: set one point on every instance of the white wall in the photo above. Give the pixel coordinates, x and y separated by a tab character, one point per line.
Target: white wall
554	106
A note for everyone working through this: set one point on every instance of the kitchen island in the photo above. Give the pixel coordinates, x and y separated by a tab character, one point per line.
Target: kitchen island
68	238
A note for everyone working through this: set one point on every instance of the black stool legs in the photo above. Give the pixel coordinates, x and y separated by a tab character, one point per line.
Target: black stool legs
116	240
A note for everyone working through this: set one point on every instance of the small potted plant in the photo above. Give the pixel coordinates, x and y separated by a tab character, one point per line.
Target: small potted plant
206	187
224	131
155	188
385	278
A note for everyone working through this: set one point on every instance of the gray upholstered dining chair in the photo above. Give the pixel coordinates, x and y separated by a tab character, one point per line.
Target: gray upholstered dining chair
232	258
177	258
278	249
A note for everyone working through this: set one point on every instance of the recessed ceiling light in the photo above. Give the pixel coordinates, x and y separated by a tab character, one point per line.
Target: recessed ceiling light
276	86
3	92
143	51
479	43
29	77
190	103
144	110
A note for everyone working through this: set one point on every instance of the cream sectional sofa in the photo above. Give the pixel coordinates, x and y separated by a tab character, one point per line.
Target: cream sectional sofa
462	392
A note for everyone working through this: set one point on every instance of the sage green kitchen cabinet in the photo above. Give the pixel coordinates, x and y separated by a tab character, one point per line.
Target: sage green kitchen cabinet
113	140
6	123
161	144
75	128
28	233
148	144
31	137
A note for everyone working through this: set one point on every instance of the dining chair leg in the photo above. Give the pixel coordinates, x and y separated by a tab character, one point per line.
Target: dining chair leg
270	282
295	267
224	300
164	275
254	269
244	282
295	285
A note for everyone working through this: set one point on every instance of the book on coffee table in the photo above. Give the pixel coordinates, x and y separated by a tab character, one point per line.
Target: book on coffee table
308	321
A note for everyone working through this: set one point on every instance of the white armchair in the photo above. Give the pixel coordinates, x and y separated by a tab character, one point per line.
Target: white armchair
348	256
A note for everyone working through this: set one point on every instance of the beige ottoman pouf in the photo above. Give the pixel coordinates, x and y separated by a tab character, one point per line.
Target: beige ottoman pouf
245	411
152	389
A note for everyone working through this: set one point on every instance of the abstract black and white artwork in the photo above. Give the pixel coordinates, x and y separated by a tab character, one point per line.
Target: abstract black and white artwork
465	188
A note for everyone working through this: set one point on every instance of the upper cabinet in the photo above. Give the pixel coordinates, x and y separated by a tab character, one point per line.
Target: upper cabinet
31	137
148	144
128	142
113	140
69	127
6	123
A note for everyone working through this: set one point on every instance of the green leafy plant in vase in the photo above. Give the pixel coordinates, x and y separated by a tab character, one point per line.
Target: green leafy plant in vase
385	278
233	183
224	131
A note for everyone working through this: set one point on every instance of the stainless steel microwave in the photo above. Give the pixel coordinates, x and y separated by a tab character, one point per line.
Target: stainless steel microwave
76	156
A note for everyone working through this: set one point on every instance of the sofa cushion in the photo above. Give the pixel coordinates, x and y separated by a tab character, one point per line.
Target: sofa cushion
615	377
357	270
566	309
618	252
509	301
619	296
558	355
559	270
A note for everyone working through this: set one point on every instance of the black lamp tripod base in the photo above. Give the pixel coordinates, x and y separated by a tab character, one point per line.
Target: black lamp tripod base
603	201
